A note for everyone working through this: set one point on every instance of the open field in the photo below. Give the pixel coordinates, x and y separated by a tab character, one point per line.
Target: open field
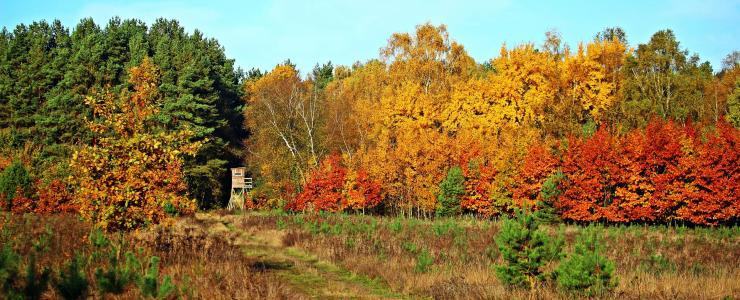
274	255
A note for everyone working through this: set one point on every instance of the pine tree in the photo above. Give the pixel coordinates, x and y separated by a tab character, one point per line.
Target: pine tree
587	270
526	250
71	283
546	212
14	179
451	189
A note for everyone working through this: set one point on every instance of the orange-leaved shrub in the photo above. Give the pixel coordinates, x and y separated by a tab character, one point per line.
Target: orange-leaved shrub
666	172
334	187
132	173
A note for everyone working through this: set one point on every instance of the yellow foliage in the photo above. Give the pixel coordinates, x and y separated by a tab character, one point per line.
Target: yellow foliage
132	174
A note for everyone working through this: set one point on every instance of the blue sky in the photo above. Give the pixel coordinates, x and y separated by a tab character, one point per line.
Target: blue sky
264	33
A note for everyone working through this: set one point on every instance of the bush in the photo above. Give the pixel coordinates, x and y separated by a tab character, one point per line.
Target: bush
548	194
396	225
55	197
657	264
71	283
36	283
450	191
118	274
586	269
9	262
526	250
13	179
423	261
149	283
135	167
12	286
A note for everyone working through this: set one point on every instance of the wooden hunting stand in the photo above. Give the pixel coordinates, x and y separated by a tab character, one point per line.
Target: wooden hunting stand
240	186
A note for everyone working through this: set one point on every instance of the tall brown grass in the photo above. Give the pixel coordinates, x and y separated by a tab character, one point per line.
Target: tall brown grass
651	262
203	265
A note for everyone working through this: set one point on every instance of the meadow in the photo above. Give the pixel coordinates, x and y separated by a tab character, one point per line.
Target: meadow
274	255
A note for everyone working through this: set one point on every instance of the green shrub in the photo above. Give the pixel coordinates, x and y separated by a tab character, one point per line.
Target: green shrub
410	247
31	286
657	264
526	250
449	226
9	275
450	190
14	178
170	209
280	223
423	261
396	225
549	192
117	276
587	270
71	282
150	285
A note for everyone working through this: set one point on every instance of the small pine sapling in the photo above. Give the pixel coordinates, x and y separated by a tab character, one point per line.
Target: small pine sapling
526	250
72	283
423	261
36	283
548	194
587	270
117	276
9	275
149	283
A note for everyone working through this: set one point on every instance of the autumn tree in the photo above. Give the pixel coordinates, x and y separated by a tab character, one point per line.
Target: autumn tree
353	101
663	80
538	165
733	105
334	187
589	166
708	196
410	119
132	174
284	116
592	81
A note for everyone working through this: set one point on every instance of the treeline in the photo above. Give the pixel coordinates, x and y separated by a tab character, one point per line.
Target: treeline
426	130
47	71
129	124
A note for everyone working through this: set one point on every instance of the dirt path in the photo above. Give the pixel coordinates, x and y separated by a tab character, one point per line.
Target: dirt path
302	271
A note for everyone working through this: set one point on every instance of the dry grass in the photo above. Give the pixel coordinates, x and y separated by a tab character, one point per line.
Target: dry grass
208	257
202	264
652	262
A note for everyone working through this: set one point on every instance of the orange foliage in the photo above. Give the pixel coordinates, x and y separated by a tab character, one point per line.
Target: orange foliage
479	178
21	203
333	187
590	168
538	165
661	174
712	182
55	197
133	174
